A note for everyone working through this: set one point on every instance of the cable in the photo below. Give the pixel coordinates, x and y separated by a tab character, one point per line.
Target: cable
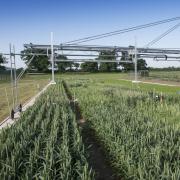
162	35
90	38
22	72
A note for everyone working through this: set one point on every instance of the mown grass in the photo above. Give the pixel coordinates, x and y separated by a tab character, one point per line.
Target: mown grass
120	80
27	88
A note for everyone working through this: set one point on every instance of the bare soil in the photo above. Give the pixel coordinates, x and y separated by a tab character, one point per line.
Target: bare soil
161	82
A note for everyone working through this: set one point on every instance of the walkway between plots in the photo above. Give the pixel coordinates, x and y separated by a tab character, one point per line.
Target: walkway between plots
155	82
97	156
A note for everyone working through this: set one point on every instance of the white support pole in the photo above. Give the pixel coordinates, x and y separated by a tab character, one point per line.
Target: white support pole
15	78
135	61
52	59
12	79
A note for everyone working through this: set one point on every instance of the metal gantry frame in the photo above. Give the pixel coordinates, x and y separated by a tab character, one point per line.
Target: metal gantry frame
158	54
14	88
52	59
132	53
80	54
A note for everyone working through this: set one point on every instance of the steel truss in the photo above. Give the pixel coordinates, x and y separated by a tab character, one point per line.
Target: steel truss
85	53
141	52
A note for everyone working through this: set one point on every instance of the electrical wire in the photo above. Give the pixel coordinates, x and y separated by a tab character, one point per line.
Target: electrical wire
162	36
117	32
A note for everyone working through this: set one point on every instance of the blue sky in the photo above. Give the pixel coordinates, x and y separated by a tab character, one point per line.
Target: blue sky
23	21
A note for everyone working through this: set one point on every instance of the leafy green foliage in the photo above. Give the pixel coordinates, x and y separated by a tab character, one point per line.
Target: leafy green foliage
62	66
39	63
89	66
107	66
2	61
141	64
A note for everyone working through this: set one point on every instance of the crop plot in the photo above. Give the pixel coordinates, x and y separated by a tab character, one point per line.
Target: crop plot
137	132
44	143
140	133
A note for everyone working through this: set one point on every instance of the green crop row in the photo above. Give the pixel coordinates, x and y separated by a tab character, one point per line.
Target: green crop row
45	143
140	133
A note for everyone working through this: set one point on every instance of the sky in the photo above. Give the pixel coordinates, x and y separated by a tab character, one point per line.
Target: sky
25	21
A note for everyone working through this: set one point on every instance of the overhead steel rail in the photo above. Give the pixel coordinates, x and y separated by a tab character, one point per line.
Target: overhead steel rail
74	47
140	55
23	54
93	60
157	54
141	52
56	54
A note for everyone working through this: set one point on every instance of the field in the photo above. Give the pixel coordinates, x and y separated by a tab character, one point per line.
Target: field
30	85
165	75
91	126
50	148
27	88
140	134
122	79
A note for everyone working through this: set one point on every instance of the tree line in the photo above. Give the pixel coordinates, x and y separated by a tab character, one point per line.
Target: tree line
2	62
42	63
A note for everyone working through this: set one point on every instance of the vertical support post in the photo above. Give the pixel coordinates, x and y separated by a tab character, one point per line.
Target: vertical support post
98	66
47	52
12	79
135	62
52	58
15	78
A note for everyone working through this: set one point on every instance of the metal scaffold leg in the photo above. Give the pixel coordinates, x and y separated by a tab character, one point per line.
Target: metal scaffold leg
52	59
135	64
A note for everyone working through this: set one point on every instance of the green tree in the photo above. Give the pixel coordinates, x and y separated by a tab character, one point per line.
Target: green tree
76	65
126	66
2	61
40	63
107	66
141	63
89	66
62	65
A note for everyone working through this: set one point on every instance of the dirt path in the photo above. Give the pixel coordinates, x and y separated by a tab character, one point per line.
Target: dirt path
160	82
97	158
157	82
